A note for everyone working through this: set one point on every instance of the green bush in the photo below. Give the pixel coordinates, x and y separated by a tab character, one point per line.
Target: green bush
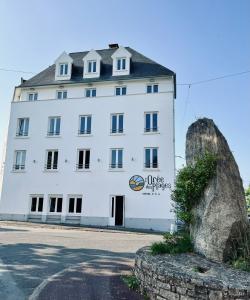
131	281
173	244
190	184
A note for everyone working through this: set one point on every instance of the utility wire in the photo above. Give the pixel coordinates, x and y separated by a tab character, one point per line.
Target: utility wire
16	71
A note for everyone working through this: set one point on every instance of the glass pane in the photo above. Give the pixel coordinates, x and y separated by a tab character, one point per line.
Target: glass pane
88	124
58	122
155	158
149	89
80	160
61	69
82	125
23	157
120	158
117	91
120	123
18	158
94	93
155	121
26	126
49	160
59	205
89	67
87	159
88	93
78	205
33	204
124	64
30	97
51	125
52	204
21	126
59	95
35	96
94	66
55	160
147	158
64	94
155	88
114	122
66	69
113	158
71	205
118	64
124	90
147	122
40	205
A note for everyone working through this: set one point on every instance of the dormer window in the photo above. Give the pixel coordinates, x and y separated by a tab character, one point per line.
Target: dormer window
92	66
63	69
121	64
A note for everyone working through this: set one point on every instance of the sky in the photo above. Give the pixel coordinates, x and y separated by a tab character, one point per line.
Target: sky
198	39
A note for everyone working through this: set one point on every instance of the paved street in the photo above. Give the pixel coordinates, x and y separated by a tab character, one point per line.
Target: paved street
55	262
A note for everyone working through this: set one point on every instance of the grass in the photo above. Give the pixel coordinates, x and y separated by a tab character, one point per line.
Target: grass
179	242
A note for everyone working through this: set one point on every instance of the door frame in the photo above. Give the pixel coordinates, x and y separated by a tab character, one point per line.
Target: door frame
113	211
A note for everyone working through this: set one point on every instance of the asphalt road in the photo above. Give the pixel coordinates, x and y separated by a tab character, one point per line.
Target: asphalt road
56	262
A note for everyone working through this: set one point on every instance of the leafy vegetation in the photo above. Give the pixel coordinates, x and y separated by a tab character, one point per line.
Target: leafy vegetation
131	281
247	194
179	242
190	184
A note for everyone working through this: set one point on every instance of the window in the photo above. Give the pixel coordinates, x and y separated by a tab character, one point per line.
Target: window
151	122
32	96
75	204
22	127
117	123
36	204
121	90
63	69
116	159
92	66
52	160
90	93
54	126
121	64
83	160
55	204
61	94
20	157
85	125
151	158
152	88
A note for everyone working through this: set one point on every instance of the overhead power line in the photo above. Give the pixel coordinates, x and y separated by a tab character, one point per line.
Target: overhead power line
16	71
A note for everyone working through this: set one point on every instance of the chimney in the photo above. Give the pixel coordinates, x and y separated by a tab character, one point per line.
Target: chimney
113	46
22	80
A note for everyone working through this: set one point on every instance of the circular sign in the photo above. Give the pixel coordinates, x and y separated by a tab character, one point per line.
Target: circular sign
136	183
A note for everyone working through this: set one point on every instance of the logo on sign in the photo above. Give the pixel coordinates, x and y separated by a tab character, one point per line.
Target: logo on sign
136	183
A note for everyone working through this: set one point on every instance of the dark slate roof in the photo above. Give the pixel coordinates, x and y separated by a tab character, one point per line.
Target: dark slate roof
140	67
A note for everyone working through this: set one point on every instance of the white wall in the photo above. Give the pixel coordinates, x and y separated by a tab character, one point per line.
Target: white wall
99	183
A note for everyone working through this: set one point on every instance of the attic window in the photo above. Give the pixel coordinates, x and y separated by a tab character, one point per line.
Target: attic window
92	66
121	64
63	70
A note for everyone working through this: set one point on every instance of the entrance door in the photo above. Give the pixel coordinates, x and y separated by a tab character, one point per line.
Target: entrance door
116	211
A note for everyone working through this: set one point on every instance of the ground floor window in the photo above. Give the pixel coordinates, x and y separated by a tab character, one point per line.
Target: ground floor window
36	204
75	204
56	204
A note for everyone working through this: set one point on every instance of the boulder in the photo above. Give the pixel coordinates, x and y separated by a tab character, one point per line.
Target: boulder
220	217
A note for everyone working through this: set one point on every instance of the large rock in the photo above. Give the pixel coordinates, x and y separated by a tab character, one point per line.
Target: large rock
220	217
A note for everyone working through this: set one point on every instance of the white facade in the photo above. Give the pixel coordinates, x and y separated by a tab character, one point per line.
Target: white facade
97	184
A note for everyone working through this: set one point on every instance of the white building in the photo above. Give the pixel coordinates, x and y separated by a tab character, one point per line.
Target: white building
78	133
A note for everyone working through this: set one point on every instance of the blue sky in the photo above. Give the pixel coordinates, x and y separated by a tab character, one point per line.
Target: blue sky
197	39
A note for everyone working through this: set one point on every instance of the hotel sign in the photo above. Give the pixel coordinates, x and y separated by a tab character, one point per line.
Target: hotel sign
151	185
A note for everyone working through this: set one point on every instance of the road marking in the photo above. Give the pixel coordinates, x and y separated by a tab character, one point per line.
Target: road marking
8	287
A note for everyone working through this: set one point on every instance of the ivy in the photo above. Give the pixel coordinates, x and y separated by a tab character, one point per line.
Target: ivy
190	184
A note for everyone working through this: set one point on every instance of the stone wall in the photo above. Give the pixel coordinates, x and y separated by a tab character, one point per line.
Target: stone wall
188	276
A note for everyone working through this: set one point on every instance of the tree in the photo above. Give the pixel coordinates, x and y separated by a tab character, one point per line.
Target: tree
247	193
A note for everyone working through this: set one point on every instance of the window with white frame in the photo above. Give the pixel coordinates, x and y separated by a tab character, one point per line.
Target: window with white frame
83	159
116	158
22	127
117	123
120	90
151	158
32	96
51	160
75	205
152	88
90	93
63	69
121	63
54	126
85	124
19	160
92	66
55	204
61	94
36	204
151	122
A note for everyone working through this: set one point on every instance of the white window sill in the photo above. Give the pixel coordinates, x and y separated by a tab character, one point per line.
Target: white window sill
35	212
85	135
54	213
83	170
116	170
53	136
22	137
117	133
50	171
18	171
74	214
151	169
151	132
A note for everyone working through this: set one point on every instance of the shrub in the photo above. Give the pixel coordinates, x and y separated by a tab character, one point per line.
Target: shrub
131	281
173	244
